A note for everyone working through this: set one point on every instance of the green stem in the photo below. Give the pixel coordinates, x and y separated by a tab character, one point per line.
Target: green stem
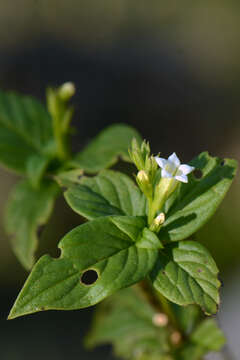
168	310
150	212
159	302
159	198
57	110
60	141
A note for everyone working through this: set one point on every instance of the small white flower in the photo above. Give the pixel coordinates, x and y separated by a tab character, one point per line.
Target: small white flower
172	168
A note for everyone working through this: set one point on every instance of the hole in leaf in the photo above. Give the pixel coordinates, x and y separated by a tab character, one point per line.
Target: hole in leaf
198	173
57	252
89	277
222	163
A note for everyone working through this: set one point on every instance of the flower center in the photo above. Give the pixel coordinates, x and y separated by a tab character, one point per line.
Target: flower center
171	168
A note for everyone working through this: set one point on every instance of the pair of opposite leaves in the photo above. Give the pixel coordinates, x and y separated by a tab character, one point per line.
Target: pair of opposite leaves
118	246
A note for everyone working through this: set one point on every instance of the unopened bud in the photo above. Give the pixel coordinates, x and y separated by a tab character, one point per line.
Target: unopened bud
144	183
145	149
157	222
142	177
163	190
176	338
136	155
160	319
66	91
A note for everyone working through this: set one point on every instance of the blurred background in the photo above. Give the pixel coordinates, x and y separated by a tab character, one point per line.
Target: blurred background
172	70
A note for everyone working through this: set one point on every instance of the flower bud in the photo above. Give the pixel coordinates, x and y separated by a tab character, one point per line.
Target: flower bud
157	222
144	183
66	91
151	167
163	190
145	149
142	177
136	155
176	338
160	319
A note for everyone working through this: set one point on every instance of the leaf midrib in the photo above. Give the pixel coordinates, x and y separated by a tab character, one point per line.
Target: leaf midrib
175	262
68	277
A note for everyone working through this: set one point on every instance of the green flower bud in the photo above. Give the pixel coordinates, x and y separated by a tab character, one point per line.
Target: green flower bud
157	223
145	150
144	183
151	167
142	177
166	187
66	91
136	155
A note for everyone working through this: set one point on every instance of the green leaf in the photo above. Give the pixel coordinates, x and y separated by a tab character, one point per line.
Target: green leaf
208	336
107	246
36	167
192	351
25	131
185	273
69	178
104	150
109	193
27	210
195	202
149	240
126	321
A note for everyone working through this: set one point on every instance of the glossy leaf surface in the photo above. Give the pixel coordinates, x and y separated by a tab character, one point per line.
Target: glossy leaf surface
104	150
109	193
195	202
185	273
107	246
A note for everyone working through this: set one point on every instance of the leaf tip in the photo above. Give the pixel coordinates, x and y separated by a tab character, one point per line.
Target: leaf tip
17	311
13	314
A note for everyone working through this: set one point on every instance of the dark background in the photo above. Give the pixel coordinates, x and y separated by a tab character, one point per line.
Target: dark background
172	70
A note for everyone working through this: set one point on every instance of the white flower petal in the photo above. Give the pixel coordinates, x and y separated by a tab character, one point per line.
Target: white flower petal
182	178
161	162
166	174
186	169
174	159
179	172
